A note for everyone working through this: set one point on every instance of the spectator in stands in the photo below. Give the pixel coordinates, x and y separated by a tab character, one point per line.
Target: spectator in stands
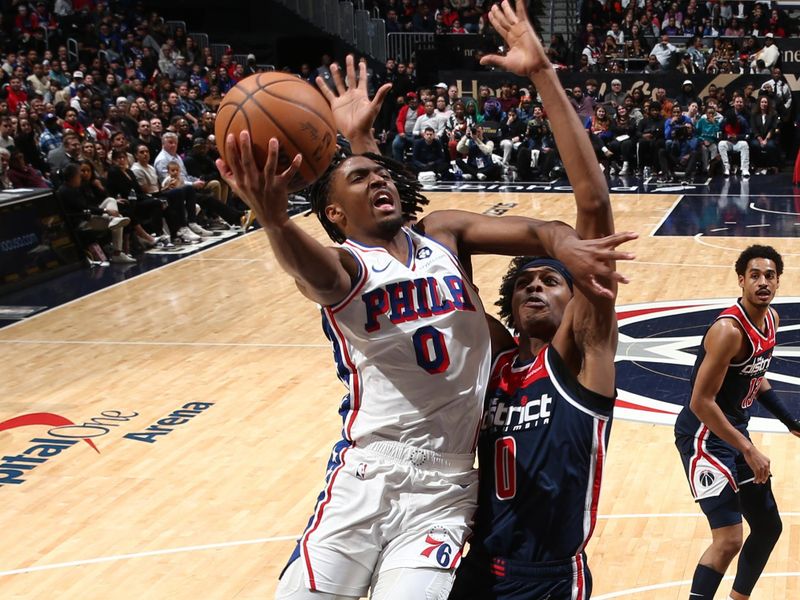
512	132
623	140
708	128
145	212
764	129
476	156
144	135
423	20
735	133
781	94
591	51
558	51
428	154
537	157
169	147
89	153
764	59
429	118
94	194
598	127
696	51
651	138
64	154
15	94
583	104
615	96
6	134
406	120
686	65
443	108
456	127
687	95
652	66
119	141
26	141
664	52
23	175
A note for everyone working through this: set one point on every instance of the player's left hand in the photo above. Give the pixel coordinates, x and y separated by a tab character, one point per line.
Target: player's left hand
353	111
593	261
526	55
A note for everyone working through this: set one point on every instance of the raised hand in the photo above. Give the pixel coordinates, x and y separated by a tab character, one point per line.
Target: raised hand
525	55
353	111
593	261
265	191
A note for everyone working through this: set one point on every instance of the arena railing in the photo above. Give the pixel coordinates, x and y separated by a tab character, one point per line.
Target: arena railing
218	51
201	39
172	26
403	46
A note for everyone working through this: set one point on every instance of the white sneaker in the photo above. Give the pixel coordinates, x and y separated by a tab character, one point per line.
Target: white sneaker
195	228
745	173
122	259
482	176
626	168
188	236
117	222
727	172
467	176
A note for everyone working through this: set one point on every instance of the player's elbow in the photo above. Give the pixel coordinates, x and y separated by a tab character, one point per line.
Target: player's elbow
698	407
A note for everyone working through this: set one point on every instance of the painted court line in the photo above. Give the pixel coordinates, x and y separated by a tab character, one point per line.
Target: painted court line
669	584
144	343
284	538
104	559
125	281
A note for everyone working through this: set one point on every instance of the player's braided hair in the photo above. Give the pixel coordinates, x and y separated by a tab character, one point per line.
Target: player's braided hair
411	200
507	289
757	251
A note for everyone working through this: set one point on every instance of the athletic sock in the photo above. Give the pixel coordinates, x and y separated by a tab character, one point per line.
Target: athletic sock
705	583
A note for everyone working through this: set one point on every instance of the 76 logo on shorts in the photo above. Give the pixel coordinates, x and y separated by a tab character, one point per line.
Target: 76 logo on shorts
437	548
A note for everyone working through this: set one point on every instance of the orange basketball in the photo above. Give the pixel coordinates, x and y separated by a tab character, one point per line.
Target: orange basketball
285	107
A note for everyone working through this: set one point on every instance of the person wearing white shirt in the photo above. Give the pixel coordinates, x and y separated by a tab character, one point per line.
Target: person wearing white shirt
769	55
430	119
664	51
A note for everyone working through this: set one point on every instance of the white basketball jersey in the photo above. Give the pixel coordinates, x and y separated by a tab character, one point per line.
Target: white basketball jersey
412	346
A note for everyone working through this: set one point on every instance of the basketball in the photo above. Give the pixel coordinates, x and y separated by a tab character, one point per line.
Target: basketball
285	107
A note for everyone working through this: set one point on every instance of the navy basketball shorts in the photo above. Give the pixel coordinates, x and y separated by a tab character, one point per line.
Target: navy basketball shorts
492	578
715	470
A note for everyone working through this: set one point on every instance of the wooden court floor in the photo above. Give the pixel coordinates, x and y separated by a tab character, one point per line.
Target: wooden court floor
208	390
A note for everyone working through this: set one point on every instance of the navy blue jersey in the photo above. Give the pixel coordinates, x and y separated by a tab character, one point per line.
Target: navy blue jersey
742	379
541	449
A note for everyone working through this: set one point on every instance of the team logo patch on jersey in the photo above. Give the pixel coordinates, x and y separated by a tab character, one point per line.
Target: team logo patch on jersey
658	345
424	253
706	478
438	546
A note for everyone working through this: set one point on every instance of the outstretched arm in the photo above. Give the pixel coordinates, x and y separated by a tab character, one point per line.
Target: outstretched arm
322	274
353	111
587	338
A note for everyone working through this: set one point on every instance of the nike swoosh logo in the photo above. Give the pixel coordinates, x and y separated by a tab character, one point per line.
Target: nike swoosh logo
377	270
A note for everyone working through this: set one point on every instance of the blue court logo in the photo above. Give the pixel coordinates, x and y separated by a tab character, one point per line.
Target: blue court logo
658	345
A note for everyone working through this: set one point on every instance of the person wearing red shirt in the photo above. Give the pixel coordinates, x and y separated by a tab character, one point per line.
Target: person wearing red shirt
16	95
405	126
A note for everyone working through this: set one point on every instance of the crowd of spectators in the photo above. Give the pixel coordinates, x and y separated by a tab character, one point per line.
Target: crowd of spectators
106	127
691	36
504	133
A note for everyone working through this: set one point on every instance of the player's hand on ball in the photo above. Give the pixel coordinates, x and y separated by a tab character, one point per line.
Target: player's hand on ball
265	191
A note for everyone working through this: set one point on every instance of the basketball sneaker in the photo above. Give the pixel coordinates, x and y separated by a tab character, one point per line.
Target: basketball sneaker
201	231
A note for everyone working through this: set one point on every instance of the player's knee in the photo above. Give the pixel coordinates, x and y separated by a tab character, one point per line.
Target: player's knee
729	545
768	527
